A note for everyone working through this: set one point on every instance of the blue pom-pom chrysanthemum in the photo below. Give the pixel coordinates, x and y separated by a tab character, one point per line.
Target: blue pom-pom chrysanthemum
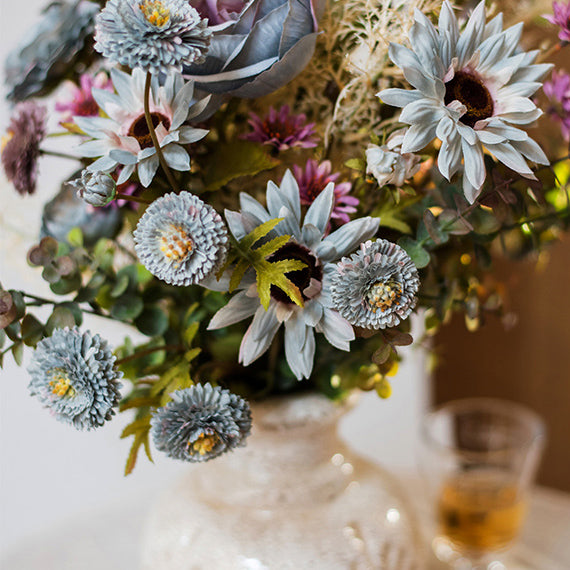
154	35
180	239
200	423
375	287
74	375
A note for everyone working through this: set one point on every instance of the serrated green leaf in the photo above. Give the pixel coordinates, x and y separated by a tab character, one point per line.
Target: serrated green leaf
138	402
141	438
269	274
190	333
259	232
272	246
237	275
417	253
136	426
191	354
235	159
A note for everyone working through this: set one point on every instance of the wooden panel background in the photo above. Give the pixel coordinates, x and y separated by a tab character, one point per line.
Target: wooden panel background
529	364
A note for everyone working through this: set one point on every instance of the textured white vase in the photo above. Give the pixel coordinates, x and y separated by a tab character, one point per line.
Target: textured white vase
294	498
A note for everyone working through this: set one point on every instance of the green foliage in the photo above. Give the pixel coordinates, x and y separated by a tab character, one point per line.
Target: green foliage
232	160
268	273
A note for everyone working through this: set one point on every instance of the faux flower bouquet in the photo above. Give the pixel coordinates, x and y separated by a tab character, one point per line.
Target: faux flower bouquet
267	189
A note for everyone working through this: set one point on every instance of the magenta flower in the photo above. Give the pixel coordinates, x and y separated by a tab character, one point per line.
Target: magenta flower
314	179
21	146
282	130
560	18
557	89
218	11
80	101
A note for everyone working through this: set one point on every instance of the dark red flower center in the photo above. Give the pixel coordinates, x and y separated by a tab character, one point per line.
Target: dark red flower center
470	91
278	130
302	277
139	128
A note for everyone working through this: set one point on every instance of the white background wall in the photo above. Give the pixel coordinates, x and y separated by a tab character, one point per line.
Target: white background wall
50	472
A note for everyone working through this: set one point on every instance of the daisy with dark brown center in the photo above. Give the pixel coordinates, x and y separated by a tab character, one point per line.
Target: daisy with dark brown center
122	138
473	91
309	243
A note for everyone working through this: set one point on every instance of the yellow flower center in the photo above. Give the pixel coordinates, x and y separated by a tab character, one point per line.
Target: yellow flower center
383	294
176	244
155	12
61	384
204	444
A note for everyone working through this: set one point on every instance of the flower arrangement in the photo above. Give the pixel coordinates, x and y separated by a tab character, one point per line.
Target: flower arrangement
267	190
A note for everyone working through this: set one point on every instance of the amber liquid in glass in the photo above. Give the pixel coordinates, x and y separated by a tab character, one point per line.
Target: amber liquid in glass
480	511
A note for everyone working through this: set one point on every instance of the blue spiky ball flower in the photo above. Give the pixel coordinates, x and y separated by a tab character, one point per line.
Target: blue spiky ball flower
180	239
375	287
200	423
74	375
154	35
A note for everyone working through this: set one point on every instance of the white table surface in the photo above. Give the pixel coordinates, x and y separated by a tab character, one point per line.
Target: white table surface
109	538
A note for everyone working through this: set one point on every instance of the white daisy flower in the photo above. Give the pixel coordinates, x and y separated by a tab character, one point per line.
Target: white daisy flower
309	244
472	90
123	138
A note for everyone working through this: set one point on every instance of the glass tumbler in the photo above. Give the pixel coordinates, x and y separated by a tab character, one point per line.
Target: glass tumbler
479	457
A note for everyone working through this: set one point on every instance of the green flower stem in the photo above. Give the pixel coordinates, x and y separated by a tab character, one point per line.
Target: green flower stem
129	198
58	154
39	301
60	134
141	353
153	136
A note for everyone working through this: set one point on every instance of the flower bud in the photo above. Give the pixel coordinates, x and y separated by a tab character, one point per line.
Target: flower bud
96	188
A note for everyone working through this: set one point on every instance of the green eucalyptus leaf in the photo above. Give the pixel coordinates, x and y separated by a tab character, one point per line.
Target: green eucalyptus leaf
13	331
19	303
32	330
75	310
153	321
127	307
121	286
67	285
417	253
60	318
97	279
18	353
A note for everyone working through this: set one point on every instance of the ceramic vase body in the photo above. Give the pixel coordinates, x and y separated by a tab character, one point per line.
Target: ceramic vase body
294	498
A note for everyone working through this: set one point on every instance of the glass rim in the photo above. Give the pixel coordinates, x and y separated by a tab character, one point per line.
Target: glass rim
507	408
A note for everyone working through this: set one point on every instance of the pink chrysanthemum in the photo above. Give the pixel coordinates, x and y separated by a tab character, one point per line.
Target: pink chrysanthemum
21	146
80	101
558	91
282	130
560	18
314	179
